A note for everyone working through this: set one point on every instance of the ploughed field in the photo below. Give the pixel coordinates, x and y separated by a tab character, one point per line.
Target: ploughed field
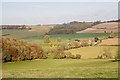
103	27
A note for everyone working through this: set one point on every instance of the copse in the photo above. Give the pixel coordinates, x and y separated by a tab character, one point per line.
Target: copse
19	50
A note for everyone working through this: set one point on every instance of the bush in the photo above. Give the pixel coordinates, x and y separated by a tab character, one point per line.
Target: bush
19	50
96	39
78	56
73	56
68	54
75	44
112	35
100	57
58	53
83	44
21	58
105	54
44	57
117	56
46	39
45	54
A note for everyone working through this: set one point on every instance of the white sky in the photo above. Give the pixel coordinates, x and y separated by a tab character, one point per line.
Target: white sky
59	0
50	12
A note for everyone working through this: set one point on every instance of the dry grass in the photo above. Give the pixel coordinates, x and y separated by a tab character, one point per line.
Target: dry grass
110	41
43	28
92	51
107	25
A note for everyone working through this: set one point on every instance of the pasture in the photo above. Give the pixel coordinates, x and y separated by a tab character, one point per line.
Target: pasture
38	36
61	68
113	41
93	51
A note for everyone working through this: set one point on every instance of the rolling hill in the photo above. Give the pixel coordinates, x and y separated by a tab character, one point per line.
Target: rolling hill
110	41
103	27
42	28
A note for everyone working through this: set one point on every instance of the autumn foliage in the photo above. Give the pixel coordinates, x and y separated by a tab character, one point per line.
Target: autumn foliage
19	50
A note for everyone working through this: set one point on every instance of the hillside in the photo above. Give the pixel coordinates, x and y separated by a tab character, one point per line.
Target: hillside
111	41
43	28
103	27
71	27
33	30
92	51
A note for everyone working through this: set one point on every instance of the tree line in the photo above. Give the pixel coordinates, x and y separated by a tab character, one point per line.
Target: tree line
72	27
17	27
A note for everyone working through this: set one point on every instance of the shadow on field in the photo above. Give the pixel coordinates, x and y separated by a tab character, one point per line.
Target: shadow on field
115	60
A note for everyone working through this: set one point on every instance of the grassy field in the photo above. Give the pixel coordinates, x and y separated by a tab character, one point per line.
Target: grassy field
93	51
67	36
110	41
34	35
87	67
61	68
20	34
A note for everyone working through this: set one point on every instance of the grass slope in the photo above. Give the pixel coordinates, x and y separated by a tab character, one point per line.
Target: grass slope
61	68
93	51
65	37
110	41
20	34
37	35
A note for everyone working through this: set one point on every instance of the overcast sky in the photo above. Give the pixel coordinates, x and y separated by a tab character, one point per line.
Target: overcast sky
57	12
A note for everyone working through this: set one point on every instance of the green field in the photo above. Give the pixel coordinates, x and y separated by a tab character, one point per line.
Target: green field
61	68
87	67
38	37
20	34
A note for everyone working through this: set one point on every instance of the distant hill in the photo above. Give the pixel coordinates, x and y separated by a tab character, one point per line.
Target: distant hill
103	27
42	28
72	27
17	27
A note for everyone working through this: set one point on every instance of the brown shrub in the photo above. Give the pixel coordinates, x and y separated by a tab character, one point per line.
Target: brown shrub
19	50
58	53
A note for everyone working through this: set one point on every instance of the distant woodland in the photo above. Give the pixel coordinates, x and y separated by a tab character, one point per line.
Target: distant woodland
72	27
65	28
